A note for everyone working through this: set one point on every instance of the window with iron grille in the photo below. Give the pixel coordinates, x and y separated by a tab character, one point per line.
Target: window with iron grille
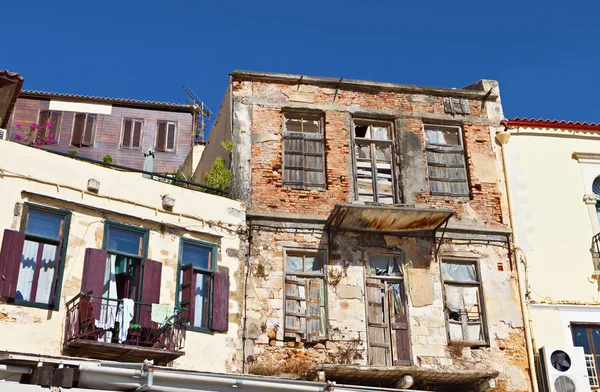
463	302
132	134
373	143
305	295
446	161
303	151
83	130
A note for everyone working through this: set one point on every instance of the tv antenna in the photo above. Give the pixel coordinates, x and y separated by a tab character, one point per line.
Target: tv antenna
204	113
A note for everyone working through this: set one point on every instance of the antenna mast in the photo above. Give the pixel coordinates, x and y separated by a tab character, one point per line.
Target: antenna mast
204	113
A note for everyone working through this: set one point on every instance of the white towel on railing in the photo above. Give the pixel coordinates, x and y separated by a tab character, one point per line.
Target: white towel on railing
126	317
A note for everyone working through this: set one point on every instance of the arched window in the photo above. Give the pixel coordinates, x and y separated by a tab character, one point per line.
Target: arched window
596	190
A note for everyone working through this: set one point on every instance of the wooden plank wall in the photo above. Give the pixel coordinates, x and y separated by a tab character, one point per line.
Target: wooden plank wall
107	137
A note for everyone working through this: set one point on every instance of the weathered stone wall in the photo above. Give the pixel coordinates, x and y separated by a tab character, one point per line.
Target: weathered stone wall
347	332
257	112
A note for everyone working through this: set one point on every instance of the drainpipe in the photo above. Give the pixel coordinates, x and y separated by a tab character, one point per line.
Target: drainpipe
502	138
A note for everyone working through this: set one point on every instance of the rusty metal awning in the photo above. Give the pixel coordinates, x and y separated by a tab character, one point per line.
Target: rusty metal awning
388	376
10	85
386	218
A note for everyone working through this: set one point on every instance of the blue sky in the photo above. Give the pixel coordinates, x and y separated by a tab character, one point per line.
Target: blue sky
545	54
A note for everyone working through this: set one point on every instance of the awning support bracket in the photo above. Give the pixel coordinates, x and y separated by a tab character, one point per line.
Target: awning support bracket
437	248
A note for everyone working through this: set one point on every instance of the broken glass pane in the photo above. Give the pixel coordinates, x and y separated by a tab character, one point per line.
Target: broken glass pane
293	124
384	266
312	264
445	136
463	272
294	263
462	301
311	126
361	130
381	133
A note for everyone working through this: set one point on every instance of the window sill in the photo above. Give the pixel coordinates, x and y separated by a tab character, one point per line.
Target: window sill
166	151
468	343
199	329
321	188
29	304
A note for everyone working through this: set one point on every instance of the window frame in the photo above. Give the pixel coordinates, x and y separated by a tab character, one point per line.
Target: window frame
58	126
93	131
590	339
133	120
320	116
214	258
372	145
479	284
62	253
322	275
166	149
463	152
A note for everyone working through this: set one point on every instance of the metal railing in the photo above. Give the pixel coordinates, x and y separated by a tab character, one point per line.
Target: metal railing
590	363
101	319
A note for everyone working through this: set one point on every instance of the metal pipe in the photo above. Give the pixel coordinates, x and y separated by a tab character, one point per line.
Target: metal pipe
502	138
149	373
15	369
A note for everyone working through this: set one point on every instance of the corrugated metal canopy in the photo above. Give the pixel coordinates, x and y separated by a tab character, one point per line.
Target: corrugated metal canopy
386	218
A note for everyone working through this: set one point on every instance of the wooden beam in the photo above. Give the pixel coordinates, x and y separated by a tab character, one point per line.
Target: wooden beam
405	382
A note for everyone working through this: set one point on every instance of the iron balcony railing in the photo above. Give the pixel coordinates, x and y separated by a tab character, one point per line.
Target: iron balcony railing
595	249
101	319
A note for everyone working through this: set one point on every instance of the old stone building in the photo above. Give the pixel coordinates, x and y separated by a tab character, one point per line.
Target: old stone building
378	239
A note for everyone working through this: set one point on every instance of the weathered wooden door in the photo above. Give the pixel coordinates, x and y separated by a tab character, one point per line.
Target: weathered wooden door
387	323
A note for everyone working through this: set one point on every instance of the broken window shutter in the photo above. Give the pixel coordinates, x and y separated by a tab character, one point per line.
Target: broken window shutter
137	134
94	269
126	134
313	310
295	308
76	140
188	287
151	277
88	136
465	106
448	105
314	159
10	261
220	307
161	137
171	137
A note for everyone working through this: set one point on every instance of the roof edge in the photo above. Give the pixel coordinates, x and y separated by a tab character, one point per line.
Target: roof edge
363	84
540	123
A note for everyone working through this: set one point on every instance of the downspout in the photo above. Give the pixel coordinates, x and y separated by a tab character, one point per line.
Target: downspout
244	337
502	138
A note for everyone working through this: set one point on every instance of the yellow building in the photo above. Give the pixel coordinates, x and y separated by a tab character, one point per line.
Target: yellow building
553	176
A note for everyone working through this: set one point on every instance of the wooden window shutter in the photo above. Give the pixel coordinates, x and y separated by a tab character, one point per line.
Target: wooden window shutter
126	134
88	136
161	136
78	127
220	305
188	287
55	122
465	106
171	137
94	269
448	105
295	308
10	261
151	277
313	310
137	134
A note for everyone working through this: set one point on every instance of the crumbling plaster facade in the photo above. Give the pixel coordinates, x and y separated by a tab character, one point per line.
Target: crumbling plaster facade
29	175
281	218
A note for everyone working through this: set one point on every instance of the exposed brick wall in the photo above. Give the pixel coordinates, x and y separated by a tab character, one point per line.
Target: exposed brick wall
267	190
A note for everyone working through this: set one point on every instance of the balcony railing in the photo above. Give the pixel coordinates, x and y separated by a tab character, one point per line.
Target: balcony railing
595	249
95	328
590	363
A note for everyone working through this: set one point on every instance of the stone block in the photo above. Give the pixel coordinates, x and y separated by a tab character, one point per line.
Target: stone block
349	292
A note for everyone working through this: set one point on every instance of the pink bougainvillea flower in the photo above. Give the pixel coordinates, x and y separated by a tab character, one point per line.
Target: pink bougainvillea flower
18	126
18	137
48	126
39	133
51	137
34	126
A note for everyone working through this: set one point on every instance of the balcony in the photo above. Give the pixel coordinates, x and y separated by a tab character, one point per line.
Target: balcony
92	330
595	249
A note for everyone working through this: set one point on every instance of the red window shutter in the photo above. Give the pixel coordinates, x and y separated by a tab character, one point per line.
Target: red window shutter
161	136
151	274
188	287
126	134
10	260
76	140
88	136
171	137
55	122
94	269
137	134
220	308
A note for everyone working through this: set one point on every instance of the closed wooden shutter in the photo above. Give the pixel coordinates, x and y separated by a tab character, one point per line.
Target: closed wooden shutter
161	136
78	129
378	327
314	165
88	135
304	159
447	171
151	278
220	305
448	105
94	269
293	152
10	260
171	136
137	134
188	287
313	310
456	105
295	308
126	134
